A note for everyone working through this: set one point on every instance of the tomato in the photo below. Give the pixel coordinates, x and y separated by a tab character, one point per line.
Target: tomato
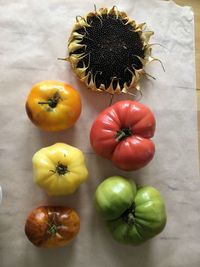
52	226
122	134
59	169
53	105
133	215
123	193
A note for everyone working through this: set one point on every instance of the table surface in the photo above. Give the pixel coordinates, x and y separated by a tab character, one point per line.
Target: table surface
196	7
169	172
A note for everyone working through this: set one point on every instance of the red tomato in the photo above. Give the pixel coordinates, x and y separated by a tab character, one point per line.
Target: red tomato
122	134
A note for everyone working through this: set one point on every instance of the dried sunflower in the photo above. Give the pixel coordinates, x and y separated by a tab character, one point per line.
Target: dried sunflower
108	51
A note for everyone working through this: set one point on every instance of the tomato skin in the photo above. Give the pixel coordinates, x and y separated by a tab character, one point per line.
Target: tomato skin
59	169
123	194
132	222
53	105
52	226
133	153
122	134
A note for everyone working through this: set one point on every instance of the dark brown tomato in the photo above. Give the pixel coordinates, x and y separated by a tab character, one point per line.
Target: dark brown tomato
52	226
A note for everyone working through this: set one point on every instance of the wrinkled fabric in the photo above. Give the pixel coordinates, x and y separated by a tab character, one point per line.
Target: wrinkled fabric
33	35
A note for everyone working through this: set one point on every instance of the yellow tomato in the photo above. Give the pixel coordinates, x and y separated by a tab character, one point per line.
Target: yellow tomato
53	105
59	169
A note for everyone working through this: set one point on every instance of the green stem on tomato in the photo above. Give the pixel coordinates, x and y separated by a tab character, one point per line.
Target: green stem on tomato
52	229
61	169
52	102
129	215
122	134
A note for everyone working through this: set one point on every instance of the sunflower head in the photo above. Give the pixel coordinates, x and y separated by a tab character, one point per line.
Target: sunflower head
108	51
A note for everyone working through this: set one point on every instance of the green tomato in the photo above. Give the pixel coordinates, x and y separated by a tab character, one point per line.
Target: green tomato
113	196
133	215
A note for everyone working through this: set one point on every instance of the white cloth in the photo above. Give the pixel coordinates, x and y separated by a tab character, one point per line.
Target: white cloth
33	35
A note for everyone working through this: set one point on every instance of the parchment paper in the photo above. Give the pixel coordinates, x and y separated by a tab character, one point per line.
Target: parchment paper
33	35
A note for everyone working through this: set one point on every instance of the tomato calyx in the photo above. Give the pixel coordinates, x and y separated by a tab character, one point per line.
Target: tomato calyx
61	169
129	216
53	223
123	134
52	229
52	102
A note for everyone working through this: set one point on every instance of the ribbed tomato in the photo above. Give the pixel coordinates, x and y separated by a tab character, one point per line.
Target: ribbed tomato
122	134
134	214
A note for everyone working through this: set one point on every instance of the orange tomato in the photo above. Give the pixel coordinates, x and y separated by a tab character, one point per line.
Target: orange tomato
53	105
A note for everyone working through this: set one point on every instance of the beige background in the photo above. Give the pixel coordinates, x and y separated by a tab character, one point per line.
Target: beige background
196	7
33	35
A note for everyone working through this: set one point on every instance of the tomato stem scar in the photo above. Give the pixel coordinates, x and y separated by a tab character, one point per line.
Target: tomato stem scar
129	216
52	102
122	134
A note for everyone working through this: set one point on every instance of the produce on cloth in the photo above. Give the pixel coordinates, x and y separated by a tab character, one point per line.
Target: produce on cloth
52	226
53	105
59	169
108	51
133	214
123	132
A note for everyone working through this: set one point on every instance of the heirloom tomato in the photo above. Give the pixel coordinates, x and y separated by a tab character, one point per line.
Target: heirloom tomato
122	134
52	226
53	105
59	169
133	214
